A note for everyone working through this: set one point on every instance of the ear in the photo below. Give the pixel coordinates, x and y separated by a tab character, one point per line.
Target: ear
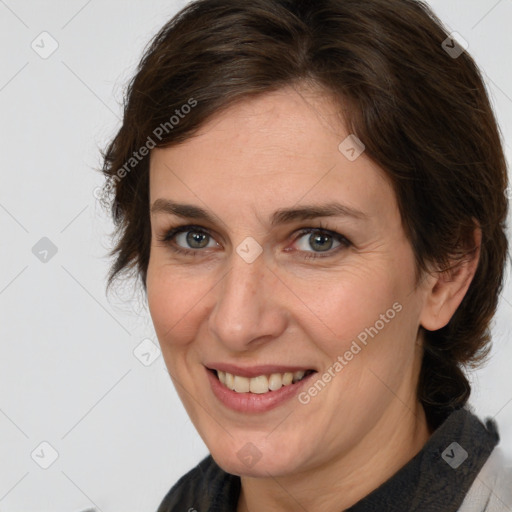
445	289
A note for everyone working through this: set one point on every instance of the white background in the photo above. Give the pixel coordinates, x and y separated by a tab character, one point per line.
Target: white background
67	370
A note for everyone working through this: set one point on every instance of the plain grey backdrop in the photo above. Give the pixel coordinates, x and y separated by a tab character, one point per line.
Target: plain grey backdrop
88	415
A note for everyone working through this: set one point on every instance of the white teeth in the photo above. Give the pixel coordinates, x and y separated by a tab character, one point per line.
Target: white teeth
260	384
230	381
241	384
298	375
287	378
275	382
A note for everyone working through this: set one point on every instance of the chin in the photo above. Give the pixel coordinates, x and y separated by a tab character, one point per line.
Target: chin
251	462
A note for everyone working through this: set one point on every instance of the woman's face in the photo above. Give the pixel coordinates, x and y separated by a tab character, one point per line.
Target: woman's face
293	258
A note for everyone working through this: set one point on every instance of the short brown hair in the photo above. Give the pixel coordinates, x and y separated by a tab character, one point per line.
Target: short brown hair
423	114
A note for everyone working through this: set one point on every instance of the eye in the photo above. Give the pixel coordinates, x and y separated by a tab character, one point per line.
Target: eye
314	242
320	241
194	239
188	240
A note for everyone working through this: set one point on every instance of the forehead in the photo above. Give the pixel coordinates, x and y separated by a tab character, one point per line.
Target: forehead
268	130
280	147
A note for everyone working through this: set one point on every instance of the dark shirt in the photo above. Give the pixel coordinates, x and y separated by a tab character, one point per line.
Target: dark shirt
436	480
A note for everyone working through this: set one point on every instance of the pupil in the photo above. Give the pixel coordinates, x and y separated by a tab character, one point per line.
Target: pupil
196	238
316	242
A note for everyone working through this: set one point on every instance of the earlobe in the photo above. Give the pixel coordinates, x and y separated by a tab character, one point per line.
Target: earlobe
446	288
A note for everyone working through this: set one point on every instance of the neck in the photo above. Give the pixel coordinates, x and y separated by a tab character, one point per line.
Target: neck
343	480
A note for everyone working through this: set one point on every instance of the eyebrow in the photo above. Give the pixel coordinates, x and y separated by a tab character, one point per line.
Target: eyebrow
281	216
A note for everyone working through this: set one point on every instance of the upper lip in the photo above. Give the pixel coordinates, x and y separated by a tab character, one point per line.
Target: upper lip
255	371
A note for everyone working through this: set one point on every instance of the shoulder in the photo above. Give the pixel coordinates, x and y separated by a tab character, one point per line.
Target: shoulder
491	490
200	488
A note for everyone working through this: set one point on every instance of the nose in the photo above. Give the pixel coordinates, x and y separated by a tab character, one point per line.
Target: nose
247	311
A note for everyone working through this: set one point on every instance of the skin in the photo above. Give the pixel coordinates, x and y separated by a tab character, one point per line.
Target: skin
277	151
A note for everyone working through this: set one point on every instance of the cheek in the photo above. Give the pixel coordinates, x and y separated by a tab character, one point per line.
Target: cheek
174	302
340	307
371	305
367	334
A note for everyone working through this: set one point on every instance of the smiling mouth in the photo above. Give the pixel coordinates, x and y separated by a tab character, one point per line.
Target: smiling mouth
262	383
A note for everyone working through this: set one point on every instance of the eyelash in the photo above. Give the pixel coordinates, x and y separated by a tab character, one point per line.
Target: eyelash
169	235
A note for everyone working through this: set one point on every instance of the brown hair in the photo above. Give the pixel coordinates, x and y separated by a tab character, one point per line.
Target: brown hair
422	113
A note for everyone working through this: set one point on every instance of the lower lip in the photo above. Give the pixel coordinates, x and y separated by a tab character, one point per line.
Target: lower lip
254	402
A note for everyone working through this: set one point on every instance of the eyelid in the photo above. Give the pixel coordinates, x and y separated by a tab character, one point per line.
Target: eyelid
170	233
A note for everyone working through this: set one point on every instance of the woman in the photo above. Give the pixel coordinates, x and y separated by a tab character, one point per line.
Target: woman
313	196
